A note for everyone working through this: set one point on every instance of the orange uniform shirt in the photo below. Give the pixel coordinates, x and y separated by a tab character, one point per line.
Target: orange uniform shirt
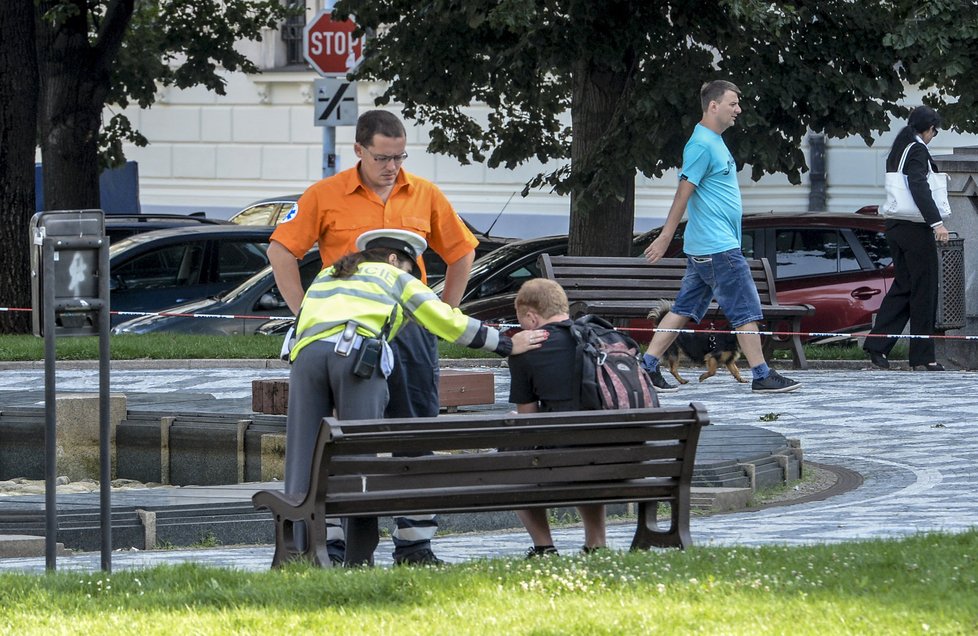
338	209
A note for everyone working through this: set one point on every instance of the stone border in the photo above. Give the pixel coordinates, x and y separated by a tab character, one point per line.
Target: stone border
845	480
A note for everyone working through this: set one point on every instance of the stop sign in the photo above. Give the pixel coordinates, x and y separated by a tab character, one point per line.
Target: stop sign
329	45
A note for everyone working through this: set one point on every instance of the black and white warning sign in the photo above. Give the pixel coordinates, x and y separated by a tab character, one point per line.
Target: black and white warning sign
335	102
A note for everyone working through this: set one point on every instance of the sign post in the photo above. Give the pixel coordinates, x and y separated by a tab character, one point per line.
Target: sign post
70	297
335	102
331	49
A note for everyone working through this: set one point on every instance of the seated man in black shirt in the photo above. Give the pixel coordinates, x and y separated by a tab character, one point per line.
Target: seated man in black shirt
542	380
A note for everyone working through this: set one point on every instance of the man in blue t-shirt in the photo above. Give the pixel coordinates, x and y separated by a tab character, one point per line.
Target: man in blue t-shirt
715	264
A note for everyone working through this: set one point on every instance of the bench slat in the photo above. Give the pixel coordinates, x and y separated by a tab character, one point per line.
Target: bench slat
507	460
645	416
629	308
475	499
494	476
429	441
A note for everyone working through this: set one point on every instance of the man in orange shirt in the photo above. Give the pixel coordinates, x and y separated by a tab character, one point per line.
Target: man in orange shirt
378	194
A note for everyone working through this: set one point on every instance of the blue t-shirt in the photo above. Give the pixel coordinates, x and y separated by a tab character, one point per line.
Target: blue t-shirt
713	215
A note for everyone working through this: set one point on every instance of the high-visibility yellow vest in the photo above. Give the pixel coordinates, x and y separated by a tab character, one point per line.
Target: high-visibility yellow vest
374	294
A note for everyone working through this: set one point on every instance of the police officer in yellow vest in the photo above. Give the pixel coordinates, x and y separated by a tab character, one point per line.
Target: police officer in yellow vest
340	359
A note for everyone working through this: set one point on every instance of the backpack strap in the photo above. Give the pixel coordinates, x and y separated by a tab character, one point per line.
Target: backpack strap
598	321
575	329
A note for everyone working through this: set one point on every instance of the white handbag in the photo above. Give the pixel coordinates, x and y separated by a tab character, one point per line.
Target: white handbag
899	202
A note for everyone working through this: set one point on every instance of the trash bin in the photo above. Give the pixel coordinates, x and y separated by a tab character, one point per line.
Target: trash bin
950	285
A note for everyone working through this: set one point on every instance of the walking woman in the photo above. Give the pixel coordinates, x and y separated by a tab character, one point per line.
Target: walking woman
913	293
340	360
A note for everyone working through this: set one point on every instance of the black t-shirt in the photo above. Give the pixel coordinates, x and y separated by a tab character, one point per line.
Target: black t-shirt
546	375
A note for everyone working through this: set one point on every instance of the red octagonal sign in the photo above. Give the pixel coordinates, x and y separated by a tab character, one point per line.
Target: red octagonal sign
329	45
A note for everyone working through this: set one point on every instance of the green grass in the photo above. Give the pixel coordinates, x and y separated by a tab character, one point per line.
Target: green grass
151	346
175	347
922	585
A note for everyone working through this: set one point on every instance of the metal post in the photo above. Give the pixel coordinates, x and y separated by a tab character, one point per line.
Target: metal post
817	174
329	132
104	405
50	417
329	151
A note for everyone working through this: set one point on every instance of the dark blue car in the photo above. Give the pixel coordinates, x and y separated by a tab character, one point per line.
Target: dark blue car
155	270
254	306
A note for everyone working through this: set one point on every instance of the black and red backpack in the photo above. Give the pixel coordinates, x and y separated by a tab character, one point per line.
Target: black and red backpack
609	367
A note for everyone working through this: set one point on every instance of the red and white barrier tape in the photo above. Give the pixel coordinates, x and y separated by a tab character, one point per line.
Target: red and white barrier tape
649	330
811	334
171	313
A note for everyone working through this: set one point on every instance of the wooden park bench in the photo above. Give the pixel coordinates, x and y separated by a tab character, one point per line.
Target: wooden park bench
543	460
624	288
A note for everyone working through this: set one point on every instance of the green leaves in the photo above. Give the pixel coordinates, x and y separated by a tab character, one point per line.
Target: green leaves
111	137
938	44
179	43
828	66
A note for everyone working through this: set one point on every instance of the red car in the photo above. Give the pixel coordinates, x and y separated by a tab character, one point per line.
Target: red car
838	262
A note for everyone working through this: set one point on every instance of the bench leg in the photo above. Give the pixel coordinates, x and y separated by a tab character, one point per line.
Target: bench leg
799	361
649	535
313	533
770	343
285	548
316	539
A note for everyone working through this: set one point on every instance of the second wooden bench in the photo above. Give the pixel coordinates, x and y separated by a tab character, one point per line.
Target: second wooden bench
623	288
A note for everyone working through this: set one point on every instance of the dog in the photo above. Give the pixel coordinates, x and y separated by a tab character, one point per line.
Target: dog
712	349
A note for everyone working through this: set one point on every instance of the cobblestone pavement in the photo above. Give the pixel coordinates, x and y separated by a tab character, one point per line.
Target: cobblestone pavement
913	436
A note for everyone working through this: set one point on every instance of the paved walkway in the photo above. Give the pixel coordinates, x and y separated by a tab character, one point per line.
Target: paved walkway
912	436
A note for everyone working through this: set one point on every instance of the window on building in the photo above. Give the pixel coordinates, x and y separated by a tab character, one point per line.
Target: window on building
292	33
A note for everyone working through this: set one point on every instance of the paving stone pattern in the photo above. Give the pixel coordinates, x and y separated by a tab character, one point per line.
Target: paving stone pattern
913	436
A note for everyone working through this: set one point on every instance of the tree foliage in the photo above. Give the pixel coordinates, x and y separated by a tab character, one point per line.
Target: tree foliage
803	66
97	52
938	41
88	54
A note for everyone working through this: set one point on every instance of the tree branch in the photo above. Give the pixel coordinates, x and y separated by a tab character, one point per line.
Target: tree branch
111	33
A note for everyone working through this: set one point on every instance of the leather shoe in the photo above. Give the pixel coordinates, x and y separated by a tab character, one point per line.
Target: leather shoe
420	557
878	359
931	366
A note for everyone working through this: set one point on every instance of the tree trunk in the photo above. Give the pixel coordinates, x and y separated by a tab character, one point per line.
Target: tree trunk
18	111
73	88
603	227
